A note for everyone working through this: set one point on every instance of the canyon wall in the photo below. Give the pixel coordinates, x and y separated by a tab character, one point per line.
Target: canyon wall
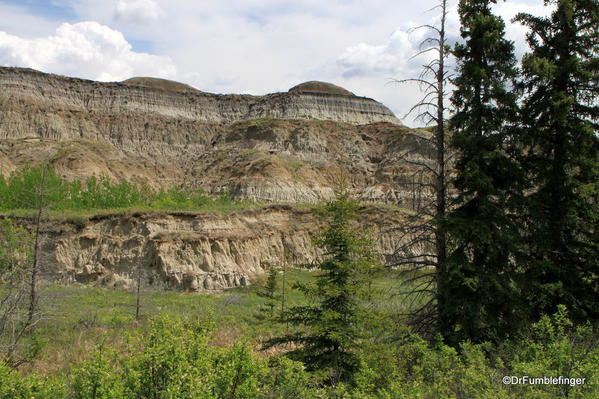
285	148
194	251
36	103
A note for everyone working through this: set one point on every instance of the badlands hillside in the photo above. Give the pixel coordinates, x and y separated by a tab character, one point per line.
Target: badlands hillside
287	148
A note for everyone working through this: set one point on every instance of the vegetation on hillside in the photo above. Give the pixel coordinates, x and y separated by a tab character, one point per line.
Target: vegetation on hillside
515	300
18	192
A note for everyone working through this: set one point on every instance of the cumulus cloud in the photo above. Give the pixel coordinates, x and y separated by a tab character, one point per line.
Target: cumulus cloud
391	58
255	46
84	49
137	11
363	63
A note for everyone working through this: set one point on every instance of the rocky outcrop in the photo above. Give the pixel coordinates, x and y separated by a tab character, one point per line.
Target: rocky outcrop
26	89
195	252
293	147
293	161
161	84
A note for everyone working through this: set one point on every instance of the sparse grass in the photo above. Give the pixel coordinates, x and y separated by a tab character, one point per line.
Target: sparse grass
391	207
249	151
83	216
78	317
223	153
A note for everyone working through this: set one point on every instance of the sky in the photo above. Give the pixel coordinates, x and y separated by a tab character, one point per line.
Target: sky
237	46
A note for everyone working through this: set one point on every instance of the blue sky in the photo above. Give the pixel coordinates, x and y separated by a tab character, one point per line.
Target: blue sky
233	46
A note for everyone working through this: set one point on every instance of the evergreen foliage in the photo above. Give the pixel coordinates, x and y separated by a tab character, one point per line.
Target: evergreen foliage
328	334
172	358
478	291
560	146
269	293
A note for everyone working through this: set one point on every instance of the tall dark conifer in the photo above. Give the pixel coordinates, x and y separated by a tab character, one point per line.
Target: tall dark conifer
478	290
560	113
327	334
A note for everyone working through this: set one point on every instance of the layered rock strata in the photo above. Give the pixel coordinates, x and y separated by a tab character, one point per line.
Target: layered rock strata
194	252
53	94
293	147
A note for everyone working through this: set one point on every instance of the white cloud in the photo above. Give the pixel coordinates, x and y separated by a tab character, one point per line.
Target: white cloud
361	65
137	11
261	46
390	59
84	49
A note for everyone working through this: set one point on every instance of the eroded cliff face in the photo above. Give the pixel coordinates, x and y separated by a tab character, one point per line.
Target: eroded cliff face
293	161
194	252
293	147
163	133
53	95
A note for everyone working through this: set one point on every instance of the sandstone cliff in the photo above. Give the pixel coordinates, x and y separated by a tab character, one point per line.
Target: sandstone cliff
53	94
293	147
163	133
193	251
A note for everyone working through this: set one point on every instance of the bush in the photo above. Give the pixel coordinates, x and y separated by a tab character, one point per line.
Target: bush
96	378
553	348
25	189
15	386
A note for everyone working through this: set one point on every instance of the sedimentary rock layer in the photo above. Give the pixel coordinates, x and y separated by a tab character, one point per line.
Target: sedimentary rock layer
195	252
33	91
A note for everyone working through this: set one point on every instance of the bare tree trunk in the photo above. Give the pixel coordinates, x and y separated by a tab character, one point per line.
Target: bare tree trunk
425	246
138	294
40	192
440	184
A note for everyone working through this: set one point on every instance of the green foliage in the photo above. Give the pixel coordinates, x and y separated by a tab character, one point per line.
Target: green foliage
555	347
174	363
288	379
561	156
175	357
13	385
25	189
33	188
174	360
328	334
478	289
96	379
16	249
269	293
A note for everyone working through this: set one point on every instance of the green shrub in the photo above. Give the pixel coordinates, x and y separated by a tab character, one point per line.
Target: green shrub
175	361
30	188
556	348
96	378
13	385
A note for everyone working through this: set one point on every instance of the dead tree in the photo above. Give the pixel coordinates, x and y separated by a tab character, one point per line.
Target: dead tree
42	191
138	292
39	189
15	260
422	254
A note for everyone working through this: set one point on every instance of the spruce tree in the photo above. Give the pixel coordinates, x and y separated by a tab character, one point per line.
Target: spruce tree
269	293
477	292
327	328
560	115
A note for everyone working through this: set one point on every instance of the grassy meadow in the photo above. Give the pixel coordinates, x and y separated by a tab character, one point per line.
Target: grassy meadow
76	318
86	343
